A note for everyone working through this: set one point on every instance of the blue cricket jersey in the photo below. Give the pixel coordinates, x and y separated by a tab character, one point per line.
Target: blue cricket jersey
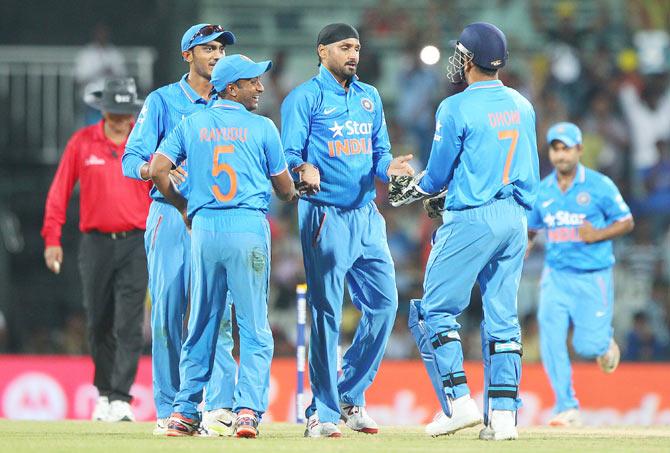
484	147
593	197
163	110
232	154
343	133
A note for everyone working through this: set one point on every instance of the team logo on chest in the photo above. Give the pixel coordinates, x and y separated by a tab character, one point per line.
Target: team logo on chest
367	105
583	198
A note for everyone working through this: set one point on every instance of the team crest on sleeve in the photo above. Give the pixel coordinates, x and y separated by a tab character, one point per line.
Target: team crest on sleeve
367	104
583	198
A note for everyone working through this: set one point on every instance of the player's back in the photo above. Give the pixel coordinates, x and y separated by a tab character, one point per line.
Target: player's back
498	145
227	149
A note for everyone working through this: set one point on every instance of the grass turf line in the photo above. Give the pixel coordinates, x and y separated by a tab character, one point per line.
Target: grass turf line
83	436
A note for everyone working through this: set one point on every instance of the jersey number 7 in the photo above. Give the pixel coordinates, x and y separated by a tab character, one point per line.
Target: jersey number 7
506	135
217	168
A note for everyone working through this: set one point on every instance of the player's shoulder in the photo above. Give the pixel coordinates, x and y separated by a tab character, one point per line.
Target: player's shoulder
518	98
164	92
367	88
255	119
598	180
309	90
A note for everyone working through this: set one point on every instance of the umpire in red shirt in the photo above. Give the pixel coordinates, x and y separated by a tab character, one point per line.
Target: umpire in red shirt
112	262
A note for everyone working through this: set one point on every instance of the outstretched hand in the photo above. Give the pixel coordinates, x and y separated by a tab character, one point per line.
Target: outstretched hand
400	166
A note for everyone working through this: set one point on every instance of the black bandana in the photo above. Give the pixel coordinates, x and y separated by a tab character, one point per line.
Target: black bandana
336	32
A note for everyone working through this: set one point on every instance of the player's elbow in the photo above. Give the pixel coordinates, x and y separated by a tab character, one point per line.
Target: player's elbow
629	225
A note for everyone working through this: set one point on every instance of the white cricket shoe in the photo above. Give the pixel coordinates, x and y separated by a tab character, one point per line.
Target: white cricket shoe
357	418
569	418
610	360
119	411
161	427
502	426
101	409
219	422
317	429
464	414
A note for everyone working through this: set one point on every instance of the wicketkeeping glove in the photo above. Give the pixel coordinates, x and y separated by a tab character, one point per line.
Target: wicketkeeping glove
403	189
435	206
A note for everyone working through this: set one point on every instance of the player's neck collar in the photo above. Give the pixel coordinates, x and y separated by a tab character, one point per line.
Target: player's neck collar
326	76
188	90
485	84
227	104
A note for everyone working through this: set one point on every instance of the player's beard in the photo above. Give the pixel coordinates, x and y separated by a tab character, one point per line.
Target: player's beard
345	72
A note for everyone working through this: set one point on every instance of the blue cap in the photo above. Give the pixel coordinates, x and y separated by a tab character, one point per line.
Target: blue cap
567	133
200	34
487	44
232	68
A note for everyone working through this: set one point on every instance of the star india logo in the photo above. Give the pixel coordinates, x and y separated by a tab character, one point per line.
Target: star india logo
367	104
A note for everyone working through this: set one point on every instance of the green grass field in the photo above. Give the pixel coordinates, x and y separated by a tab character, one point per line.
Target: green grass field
17	436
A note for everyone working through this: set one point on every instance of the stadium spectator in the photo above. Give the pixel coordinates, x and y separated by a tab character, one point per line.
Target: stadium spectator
96	62
641	343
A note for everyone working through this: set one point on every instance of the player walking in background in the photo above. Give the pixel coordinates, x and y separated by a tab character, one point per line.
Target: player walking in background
335	123
233	155
112	266
582	211
484	152
167	243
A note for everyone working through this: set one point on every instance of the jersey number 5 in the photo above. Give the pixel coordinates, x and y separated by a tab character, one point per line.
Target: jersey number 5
506	135
227	169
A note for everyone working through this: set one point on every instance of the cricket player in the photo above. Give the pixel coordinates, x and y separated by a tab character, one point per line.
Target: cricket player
233	156
581	211
485	154
167	243
335	123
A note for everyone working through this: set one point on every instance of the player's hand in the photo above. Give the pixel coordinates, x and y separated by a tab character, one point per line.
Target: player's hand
178	175
435	206
404	189
144	172
400	166
310	179
588	233
53	257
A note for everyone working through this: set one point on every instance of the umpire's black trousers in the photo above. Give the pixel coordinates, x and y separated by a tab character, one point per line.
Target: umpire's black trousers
113	270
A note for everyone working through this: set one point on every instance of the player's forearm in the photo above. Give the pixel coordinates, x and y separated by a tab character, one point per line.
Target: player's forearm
293	160
430	185
160	175
134	166
381	165
615	230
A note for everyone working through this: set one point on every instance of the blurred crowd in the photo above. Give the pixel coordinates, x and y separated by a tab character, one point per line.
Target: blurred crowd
604	65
